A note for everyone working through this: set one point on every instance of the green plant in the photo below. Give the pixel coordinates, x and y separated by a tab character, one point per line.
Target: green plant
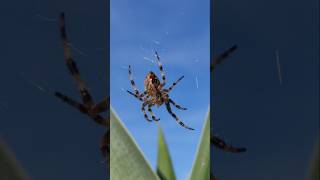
128	162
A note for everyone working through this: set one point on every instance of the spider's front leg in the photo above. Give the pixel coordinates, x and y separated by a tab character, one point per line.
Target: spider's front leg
135	95
175	117
173	84
163	75
136	91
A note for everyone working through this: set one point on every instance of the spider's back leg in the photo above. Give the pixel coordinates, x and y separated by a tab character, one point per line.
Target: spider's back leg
152	114
177	105
84	92
144	111
176	117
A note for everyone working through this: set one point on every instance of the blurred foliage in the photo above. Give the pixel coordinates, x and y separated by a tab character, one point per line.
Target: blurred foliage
126	159
164	164
9	166
201	166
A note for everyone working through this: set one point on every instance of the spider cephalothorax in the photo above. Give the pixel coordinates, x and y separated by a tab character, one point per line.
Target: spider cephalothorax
155	94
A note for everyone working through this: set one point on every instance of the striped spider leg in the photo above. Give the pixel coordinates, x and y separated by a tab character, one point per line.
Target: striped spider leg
217	60
224	146
163	75
155	94
87	106
218	142
140	97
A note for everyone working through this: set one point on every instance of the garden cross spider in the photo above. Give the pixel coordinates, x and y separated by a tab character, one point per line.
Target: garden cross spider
156	94
88	106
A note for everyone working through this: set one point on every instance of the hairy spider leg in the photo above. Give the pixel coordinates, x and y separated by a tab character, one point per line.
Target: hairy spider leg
224	146
152	114
175	117
84	92
163	75
137	96
82	108
177	105
102	106
223	56
173	84
136	91
144	111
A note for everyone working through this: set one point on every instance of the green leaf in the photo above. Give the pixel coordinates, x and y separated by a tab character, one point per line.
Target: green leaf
126	159
164	165
201	165
9	166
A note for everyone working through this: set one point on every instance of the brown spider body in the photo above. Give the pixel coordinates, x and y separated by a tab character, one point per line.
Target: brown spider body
154	91
155	94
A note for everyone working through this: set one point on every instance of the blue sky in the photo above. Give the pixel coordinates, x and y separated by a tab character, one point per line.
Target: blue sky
179	31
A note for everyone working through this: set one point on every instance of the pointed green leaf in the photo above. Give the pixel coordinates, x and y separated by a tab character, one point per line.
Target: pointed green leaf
9	166
164	164
126	159
201	165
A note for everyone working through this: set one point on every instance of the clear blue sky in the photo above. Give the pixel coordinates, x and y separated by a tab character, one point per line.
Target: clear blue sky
179	31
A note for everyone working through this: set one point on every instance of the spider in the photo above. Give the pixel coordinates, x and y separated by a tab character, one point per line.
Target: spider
218	142
156	94
87	106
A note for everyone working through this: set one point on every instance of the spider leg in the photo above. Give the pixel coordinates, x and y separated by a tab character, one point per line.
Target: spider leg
177	105
102	106
161	69
173	84
144	111
175	117
84	92
105	146
224	146
223	56
135	95
72	102
136	91
152	114
82	108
